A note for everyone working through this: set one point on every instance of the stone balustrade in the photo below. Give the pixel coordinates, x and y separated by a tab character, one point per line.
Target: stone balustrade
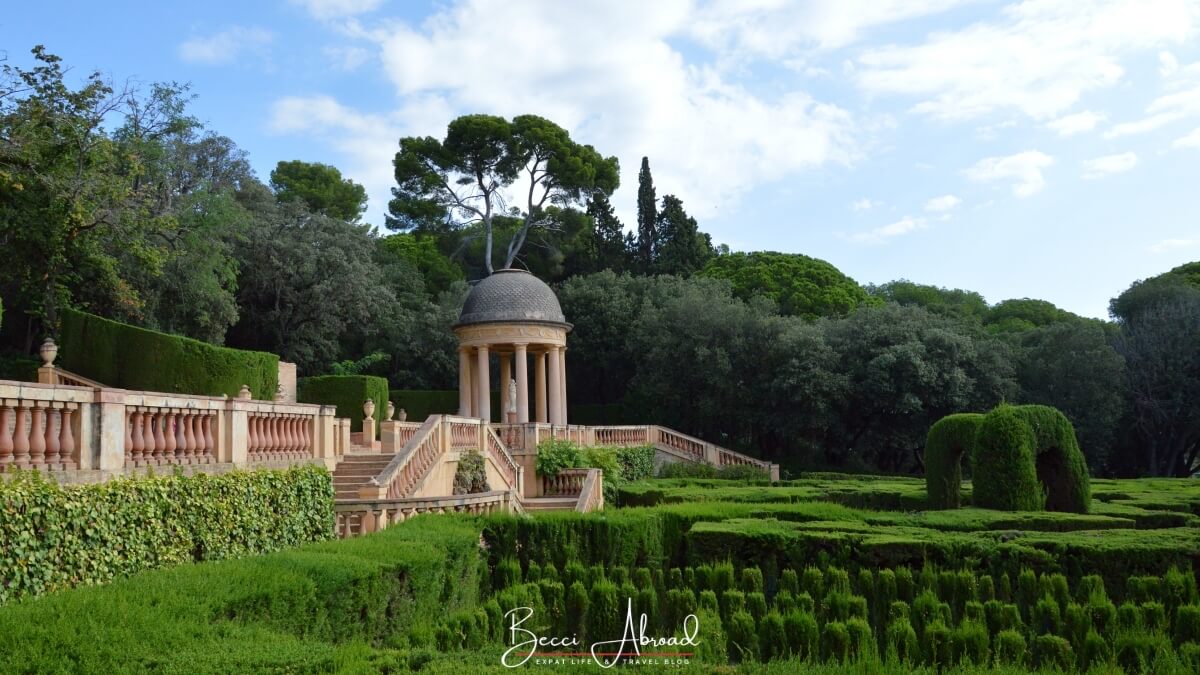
357	517
591	492
95	433
566	483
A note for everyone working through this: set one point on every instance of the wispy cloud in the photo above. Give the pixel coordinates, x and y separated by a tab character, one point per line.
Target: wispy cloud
346	58
864	204
880	235
942	204
337	9
1191	140
1078	123
226	46
1172	245
1023	170
1109	164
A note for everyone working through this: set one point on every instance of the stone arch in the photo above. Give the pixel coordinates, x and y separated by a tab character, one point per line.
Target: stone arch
1026	458
949	440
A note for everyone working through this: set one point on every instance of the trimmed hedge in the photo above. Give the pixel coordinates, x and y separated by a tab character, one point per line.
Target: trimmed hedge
347	392
420	404
128	357
949	439
54	537
1020	449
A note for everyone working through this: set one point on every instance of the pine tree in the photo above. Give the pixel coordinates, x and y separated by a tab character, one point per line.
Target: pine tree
683	249
608	236
647	241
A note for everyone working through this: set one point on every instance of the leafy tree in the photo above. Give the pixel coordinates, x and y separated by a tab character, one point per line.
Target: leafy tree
647	233
606	249
799	285
1074	368
906	369
1012	316
1159	321
462	180
321	188
420	250
944	301
683	249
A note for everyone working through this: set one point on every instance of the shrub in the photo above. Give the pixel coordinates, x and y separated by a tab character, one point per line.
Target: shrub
1010	648
862	642
1129	617
813	582
904	584
835	642
54	537
901	642
1016	448
802	634
554	599
1094	651
1179	588
970	641
732	602
789	581
722	577
1187	624
508	573
1136	651
1052	651
742	472
709	603
687	470
420	404
680	603
741	637
756	603
1154	616
1076	623
347	393
773	643
949	439
554	455
784	602
470	477
128	357
578	608
711	638
937	645
1046	617
752	580
637	463
606	612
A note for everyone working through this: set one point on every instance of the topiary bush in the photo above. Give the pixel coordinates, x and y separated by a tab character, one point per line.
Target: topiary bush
1026	458
949	440
128	357
54	537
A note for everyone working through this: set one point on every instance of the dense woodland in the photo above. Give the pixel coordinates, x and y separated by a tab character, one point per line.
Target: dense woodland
116	200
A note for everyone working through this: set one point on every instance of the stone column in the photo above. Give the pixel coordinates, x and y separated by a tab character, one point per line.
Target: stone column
562	369
505	376
464	381
483	383
522	365
554	385
539	385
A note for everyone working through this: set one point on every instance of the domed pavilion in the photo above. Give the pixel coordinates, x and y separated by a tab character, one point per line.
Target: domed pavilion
512	315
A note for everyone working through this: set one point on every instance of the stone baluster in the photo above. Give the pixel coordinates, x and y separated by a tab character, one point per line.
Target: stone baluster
136	450
6	443
130	455
293	434
208	438
21	436
37	436
169	437
272	437
189	437
157	422
67	439
53	460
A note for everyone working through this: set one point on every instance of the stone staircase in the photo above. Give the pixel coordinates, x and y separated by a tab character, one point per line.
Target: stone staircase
356	468
543	504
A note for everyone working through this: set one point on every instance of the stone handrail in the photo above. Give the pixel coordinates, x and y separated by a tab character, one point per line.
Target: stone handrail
591	494
410	465
56	375
55	427
357	517
622	435
692	447
566	483
504	462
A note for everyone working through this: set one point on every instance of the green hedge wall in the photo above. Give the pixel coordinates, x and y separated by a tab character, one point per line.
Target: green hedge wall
320	608
419	403
54	537
347	392
950	439
128	357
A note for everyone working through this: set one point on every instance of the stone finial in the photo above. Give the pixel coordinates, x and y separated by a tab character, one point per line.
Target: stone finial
49	352
403	416
279	395
368	408
244	393
391	410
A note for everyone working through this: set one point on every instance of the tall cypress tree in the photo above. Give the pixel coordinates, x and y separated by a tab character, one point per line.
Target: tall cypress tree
647	217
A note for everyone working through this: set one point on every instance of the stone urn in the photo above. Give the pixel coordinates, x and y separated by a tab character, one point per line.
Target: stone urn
369	408
48	352
244	394
391	410
402	415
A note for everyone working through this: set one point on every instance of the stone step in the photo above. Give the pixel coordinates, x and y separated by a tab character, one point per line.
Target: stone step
550	504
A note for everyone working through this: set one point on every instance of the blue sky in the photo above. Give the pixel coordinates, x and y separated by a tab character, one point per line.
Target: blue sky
1043	149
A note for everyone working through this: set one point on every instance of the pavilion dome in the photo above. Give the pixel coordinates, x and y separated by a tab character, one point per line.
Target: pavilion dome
511	296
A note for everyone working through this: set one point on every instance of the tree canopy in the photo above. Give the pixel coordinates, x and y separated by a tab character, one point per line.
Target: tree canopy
799	285
321	188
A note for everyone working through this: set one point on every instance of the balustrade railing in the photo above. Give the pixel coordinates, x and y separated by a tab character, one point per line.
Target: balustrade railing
279	436
156	436
464	434
358	517
38	434
677	441
622	436
504	462
566	483
591	492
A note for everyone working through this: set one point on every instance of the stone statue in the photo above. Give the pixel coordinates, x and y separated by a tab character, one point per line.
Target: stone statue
512	396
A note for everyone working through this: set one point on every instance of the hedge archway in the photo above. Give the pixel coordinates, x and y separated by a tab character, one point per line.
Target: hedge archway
1023	458
949	440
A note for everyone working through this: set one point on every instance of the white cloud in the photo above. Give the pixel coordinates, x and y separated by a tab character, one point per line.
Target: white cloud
1039	58
942	204
616	84
346	58
863	204
1023	169
1182	100
1109	164
880	235
336	9
226	46
1172	245
1069	125
1191	140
